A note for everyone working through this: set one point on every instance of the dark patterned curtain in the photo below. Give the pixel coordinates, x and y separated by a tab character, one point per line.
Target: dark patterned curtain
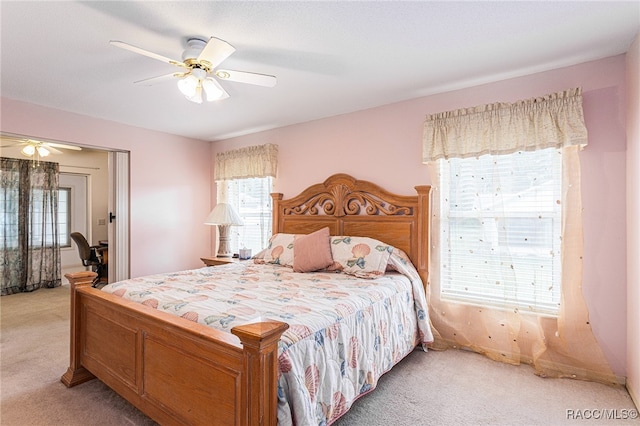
29	225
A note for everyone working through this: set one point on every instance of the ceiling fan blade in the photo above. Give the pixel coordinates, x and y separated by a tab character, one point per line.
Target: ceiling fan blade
247	77
141	51
53	150
63	146
160	79
11	144
51	146
15	139
215	51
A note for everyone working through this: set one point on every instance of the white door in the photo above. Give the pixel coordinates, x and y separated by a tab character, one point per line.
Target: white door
78	219
118	227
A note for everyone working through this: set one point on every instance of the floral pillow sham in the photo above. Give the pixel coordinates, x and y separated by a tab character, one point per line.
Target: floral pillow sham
362	257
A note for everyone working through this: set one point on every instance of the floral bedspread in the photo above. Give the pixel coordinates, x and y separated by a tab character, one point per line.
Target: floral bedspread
344	333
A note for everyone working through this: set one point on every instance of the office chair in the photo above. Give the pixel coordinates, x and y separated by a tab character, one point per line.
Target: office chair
90	255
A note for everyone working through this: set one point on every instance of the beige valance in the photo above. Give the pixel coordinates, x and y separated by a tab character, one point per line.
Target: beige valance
552	121
249	162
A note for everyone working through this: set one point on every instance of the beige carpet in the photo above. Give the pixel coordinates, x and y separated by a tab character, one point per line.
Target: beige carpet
434	388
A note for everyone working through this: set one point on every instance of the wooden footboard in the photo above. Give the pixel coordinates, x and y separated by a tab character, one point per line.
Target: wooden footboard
172	369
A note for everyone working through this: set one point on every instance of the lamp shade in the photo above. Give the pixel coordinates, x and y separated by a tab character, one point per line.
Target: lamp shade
42	151
197	97
223	214
188	85
29	150
212	89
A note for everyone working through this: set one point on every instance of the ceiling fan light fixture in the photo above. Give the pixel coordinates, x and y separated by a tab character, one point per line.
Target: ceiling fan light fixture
32	149
201	58
197	96
188	86
42	151
28	150
211	89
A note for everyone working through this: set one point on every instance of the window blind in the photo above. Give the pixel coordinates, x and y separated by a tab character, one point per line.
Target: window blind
252	200
501	228
43	231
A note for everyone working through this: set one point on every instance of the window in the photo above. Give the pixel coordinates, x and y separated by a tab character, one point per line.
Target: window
64	217
42	231
10	219
251	197
501	228
244	179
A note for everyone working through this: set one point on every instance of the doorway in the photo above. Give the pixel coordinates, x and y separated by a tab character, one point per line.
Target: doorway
75	203
99	181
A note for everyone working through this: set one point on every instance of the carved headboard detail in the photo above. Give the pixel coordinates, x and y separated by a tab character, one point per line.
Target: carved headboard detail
344	196
359	208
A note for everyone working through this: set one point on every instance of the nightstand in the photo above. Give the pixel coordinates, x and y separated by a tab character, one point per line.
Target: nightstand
215	261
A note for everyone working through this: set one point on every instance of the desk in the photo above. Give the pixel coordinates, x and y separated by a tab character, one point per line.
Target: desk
105	254
103	249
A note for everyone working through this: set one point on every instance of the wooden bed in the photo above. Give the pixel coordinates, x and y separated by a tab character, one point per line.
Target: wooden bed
180	372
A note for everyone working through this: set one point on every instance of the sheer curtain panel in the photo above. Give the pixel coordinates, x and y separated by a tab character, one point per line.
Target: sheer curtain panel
29	225
507	241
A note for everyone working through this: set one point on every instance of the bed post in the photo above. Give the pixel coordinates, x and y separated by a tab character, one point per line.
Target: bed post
260	381
275	220
76	373
424	213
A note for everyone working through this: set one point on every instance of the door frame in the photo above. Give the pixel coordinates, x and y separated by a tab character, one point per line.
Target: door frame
118	221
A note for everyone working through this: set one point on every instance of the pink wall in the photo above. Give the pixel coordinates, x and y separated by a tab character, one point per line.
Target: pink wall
633	220
169	182
383	145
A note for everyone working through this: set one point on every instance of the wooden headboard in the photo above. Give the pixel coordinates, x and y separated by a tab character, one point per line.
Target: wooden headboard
359	208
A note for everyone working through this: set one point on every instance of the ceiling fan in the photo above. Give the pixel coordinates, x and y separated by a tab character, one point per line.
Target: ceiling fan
200	61
32	147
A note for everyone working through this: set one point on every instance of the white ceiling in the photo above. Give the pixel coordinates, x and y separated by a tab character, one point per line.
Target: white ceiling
330	58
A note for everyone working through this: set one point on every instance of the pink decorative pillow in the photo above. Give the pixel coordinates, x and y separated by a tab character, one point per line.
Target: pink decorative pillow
312	252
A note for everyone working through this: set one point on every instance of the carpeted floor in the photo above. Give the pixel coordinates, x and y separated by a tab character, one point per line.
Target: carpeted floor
434	388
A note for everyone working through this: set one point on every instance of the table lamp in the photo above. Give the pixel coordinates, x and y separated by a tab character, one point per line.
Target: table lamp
224	216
